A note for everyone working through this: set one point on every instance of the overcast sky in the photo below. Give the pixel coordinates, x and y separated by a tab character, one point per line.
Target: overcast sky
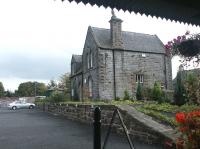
38	37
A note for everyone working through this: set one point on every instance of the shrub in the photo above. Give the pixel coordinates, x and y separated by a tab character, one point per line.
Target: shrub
126	95
117	99
147	93
57	96
179	92
168	95
192	87
157	92
139	93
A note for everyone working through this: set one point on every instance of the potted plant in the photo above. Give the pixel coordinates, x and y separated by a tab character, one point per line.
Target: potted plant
190	46
187	46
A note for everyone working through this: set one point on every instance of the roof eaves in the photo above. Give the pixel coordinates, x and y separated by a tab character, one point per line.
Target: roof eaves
177	10
95	38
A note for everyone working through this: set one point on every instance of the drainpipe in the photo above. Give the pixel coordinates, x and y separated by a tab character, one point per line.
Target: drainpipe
165	72
114	79
82	87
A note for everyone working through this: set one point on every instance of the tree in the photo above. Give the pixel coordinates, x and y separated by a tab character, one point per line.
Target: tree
126	95
64	84
57	96
52	84
179	92
32	89
41	89
139	94
9	93
157	92
192	87
1	90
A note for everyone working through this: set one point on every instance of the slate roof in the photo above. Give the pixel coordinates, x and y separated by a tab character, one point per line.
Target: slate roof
77	58
131	41
187	11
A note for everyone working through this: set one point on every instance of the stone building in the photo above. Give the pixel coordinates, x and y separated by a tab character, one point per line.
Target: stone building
114	61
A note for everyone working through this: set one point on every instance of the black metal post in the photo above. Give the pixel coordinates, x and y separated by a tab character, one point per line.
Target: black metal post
116	111
109	129
97	128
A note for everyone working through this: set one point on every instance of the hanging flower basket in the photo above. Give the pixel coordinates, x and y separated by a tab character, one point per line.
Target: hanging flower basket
189	48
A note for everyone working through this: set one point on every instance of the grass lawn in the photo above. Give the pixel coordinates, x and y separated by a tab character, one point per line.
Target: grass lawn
165	112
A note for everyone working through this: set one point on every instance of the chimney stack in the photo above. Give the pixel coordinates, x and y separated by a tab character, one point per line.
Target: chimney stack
116	32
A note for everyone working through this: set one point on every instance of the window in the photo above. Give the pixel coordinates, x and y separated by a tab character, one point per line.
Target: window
88	61
91	62
72	88
73	68
90	86
139	78
143	55
72	92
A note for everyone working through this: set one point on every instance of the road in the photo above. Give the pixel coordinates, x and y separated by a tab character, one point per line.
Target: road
34	129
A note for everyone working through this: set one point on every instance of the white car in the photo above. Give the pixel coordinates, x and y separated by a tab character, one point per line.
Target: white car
21	104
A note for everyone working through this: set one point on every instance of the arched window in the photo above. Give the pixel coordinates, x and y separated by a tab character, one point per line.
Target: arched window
80	91
72	68
91	60
88	60
90	86
72	88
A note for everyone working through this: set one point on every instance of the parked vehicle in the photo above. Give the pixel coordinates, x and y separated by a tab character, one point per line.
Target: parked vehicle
20	104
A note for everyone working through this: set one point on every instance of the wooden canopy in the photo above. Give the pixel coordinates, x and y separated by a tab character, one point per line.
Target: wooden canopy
186	11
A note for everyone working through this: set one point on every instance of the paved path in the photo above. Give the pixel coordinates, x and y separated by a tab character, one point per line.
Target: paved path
33	129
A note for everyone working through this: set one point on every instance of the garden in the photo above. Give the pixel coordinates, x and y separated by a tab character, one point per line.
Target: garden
179	109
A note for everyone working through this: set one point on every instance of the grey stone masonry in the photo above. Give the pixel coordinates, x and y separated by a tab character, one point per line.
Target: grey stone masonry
116	32
140	127
114	61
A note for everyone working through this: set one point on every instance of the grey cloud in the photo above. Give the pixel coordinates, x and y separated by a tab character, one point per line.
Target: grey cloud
34	67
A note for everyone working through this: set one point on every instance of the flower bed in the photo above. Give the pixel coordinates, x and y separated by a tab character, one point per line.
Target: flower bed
189	127
165	112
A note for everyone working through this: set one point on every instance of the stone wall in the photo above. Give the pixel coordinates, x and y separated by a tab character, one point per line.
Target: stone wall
140	126
90	47
128	64
76	87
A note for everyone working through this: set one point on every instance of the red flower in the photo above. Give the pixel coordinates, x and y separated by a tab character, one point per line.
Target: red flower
179	143
194	114
180	117
183	129
190	137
